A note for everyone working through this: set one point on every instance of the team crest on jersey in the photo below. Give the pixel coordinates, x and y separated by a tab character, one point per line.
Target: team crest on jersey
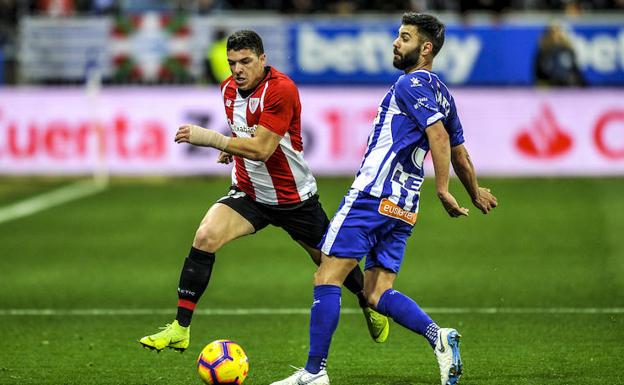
253	104
228	103
415	82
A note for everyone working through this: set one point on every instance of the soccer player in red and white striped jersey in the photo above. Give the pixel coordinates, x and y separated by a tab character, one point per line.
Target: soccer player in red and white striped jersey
269	113
271	182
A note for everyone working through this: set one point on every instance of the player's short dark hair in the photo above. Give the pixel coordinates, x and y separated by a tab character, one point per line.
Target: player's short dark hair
245	39
428	26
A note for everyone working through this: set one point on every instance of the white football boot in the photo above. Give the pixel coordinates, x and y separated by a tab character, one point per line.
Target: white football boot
447	352
303	377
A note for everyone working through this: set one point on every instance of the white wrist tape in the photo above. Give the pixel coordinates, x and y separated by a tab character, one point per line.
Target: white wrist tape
208	138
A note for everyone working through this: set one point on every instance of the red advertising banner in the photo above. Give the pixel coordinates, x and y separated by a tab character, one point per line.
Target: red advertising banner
131	130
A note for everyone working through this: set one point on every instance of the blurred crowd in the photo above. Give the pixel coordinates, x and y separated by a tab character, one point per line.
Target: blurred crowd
555	62
12	9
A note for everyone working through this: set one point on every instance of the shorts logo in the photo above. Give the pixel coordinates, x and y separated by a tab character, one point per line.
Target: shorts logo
253	104
390	209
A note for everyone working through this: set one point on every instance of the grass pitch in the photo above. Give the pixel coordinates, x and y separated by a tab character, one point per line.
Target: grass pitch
552	246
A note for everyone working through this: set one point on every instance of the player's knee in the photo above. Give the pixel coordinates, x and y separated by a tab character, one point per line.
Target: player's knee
207	239
319	278
324	277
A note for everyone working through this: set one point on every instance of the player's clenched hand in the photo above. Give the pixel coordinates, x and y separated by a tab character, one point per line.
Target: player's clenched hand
183	134
224	158
200	136
451	206
485	201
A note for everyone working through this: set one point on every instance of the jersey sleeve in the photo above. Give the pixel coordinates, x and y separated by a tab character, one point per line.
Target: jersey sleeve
454	127
417	100
279	106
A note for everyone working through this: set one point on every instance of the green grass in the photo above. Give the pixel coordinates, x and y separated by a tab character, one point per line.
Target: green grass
551	243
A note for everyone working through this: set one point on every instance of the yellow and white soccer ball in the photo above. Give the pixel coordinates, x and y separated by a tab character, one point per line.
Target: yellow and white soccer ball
223	362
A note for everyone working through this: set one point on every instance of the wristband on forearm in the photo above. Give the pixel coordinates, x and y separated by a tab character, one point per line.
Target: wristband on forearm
208	138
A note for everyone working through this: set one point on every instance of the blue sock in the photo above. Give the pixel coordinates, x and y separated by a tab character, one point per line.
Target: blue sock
404	311
324	317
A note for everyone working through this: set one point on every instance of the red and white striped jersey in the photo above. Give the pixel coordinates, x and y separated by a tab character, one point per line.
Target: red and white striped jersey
285	177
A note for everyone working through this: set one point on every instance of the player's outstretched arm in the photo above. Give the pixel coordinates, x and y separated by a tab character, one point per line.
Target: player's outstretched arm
200	136
259	147
481	197
441	154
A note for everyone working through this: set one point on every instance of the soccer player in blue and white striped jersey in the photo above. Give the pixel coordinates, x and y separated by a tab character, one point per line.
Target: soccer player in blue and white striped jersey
376	216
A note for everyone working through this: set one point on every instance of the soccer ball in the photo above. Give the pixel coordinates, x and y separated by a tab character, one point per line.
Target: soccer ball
222	362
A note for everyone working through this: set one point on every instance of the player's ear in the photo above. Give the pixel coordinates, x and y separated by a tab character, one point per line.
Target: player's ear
426	49
262	58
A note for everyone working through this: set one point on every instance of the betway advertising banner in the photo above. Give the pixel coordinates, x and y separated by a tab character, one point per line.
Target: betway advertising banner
131	131
156	47
361	53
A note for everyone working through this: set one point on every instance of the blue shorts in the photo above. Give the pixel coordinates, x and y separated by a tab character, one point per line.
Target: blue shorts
358	229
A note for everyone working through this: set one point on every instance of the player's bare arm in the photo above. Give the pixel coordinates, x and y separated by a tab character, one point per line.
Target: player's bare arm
259	147
482	197
441	154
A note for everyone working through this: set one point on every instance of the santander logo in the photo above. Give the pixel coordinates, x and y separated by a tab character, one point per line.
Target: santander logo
544	138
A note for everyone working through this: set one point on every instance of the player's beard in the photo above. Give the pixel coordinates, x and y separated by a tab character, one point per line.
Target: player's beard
408	60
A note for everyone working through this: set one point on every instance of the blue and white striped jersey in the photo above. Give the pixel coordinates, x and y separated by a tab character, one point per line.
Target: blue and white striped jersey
393	163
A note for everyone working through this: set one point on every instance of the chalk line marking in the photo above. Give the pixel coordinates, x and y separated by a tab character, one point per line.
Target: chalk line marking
305	311
50	199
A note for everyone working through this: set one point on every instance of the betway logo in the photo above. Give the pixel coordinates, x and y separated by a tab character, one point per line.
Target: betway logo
602	52
370	52
61	139
345	53
457	58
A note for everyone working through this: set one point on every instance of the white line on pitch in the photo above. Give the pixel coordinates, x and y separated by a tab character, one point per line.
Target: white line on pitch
53	198
304	311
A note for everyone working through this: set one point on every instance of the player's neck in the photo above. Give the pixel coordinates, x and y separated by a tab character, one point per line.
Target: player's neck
250	90
427	65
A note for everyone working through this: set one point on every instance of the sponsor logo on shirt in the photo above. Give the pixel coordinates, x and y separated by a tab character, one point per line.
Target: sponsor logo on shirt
390	209
241	129
415	82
